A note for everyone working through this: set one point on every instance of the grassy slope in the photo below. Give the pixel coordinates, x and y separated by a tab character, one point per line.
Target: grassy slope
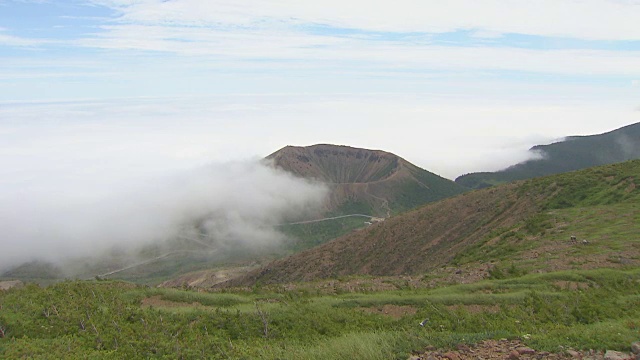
581	309
528	222
574	153
306	236
597	309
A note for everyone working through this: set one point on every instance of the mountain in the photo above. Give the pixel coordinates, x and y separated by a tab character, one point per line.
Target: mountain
370	182
573	153
585	219
366	182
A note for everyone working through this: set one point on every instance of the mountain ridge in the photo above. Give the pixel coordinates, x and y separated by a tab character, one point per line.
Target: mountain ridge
571	154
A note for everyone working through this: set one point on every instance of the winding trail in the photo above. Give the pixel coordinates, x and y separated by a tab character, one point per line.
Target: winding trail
165	255
385	202
214	249
327	219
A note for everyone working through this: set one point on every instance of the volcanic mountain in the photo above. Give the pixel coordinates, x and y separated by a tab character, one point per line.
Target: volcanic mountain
573	153
370	182
585	219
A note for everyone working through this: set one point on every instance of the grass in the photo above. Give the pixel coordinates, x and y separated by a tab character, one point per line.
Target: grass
611	232
270	323
582	309
306	236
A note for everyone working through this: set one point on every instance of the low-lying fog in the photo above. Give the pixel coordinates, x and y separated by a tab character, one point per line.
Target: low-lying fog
238	202
77	178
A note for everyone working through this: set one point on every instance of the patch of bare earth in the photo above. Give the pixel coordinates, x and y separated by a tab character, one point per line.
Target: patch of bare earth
393	311
571	285
6	285
206	278
506	349
158	302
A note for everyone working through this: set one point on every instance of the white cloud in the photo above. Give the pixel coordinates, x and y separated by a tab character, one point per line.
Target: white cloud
278	31
587	19
323	51
107	143
155	47
79	177
233	203
9	40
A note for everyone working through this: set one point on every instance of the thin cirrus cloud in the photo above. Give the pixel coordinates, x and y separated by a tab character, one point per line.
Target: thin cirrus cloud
254	46
334	45
382	34
10	40
589	19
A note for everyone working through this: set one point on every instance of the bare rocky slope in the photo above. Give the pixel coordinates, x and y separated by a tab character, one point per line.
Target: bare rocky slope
371	182
526	224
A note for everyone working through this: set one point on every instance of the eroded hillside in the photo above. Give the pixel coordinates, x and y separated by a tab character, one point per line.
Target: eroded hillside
585	219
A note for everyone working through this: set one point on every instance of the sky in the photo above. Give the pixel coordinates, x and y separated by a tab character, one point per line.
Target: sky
97	95
455	86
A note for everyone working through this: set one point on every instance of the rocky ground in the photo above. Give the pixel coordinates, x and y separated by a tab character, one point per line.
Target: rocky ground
6	285
516	350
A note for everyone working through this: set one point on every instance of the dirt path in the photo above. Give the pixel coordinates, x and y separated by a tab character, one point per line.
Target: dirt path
148	261
327	219
385	202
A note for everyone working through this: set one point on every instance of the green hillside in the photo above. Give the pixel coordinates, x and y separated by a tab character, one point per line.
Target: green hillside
528	223
574	153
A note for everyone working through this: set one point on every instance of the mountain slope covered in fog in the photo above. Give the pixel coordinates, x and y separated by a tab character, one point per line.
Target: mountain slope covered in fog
573	153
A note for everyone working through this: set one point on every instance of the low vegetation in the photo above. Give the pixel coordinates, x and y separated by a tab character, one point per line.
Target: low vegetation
552	262
306	236
597	309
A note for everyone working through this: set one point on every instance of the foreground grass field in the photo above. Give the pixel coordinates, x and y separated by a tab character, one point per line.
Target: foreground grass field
596	309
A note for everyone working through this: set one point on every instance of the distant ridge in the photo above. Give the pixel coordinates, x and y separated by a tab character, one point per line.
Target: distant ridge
372	182
573	153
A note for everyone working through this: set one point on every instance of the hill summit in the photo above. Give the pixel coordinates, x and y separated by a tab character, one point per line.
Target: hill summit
371	182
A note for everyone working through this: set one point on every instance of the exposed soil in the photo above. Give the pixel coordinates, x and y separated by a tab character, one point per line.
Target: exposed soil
158	302
506	349
571	285
393	311
372	179
6	285
336	164
206	278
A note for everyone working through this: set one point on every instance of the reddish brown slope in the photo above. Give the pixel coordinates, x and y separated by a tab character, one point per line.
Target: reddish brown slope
413	243
337	164
371	182
519	222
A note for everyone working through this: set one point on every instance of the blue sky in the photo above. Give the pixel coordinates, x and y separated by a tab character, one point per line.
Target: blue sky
115	49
